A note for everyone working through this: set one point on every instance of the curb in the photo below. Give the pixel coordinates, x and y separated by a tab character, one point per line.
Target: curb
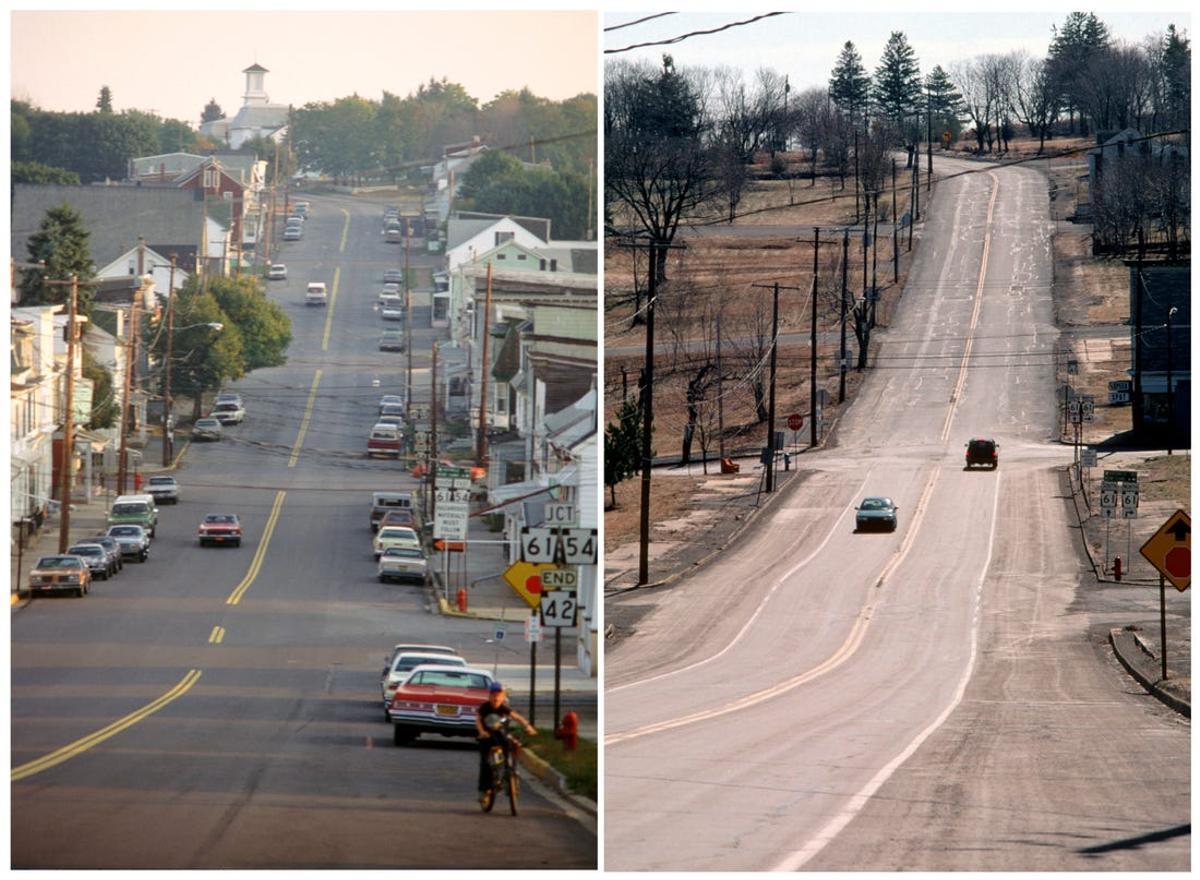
1115	638
547	775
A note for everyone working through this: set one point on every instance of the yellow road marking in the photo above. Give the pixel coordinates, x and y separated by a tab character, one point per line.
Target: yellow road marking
93	739
308	410
847	649
345	231
329	309
256	563
983	264
217	635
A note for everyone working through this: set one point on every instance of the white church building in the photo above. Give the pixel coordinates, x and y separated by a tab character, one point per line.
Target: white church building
258	117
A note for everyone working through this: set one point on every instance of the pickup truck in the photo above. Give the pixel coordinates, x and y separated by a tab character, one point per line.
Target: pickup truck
384	439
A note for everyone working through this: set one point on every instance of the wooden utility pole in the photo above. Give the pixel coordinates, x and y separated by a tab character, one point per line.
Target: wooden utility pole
66	469
166	426
408	320
812	402
431	459
875	259
647	400
895	239
842	362
856	173
131	334
928	138
481	437
769	464
720	391
240	235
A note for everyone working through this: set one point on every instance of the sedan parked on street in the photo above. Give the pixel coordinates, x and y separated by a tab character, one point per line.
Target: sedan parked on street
391	311
206	429
134	541
438	699
54	573
111	547
228	413
395	536
277	272
403	564
391	340
404	664
95	557
876	513
393	276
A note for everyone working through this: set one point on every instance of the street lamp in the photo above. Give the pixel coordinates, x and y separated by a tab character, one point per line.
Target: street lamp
1170	391
167	429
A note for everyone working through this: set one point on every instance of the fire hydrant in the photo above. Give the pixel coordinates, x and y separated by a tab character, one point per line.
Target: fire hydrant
137	482
462	599
1117	569
568	731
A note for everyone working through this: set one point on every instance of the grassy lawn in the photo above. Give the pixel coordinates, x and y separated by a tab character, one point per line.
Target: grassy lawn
579	766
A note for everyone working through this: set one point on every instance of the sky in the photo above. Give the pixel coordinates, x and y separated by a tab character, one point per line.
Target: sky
173	62
805	45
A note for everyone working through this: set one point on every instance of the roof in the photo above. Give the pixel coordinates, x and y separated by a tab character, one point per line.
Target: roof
115	216
260	116
256	67
572	423
508	358
538	226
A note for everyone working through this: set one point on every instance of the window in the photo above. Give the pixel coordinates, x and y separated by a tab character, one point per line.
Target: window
520	256
554	265
502	237
541	265
501	257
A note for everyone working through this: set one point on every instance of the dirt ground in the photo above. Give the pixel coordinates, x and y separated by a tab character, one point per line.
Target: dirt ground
670	498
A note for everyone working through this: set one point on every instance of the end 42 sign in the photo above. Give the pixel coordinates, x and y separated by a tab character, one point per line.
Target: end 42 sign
562	546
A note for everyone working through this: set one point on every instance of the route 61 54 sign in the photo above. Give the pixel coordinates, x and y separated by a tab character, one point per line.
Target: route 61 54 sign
558	609
564	546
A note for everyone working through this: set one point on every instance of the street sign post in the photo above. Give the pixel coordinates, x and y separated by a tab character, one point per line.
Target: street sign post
526	581
1170	551
450	520
1088	457
558	611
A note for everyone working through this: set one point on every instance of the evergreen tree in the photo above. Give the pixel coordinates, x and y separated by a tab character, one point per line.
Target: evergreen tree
849	86
622	447
61	244
1176	60
104	102
897	87
1081	37
945	104
212	111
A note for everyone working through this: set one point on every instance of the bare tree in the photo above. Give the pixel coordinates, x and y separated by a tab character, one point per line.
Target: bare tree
978	96
1035	97
751	347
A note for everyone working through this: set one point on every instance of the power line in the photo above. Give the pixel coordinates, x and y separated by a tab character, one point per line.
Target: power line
617	27
682	37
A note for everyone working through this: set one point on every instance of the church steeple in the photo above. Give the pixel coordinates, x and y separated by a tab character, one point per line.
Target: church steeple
255	93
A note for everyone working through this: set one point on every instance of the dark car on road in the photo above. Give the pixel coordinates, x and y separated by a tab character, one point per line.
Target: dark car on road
982	452
96	558
876	513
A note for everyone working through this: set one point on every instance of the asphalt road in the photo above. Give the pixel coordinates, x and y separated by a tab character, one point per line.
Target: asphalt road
275	755
932	699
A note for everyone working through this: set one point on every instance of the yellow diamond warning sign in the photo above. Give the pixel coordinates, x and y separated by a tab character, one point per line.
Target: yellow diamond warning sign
526	579
1170	550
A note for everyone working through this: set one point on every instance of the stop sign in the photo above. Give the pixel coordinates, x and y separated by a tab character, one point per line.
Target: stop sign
795	422
1178	562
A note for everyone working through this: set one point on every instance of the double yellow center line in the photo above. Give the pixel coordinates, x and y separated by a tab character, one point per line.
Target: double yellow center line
308	411
82	745
256	563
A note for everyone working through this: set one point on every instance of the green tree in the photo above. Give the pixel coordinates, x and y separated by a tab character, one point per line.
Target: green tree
1081	38
212	111
897	86
104	403
202	358
944	104
849	85
61	244
338	137
265	329
1176	65
622	447
104	102
36	172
